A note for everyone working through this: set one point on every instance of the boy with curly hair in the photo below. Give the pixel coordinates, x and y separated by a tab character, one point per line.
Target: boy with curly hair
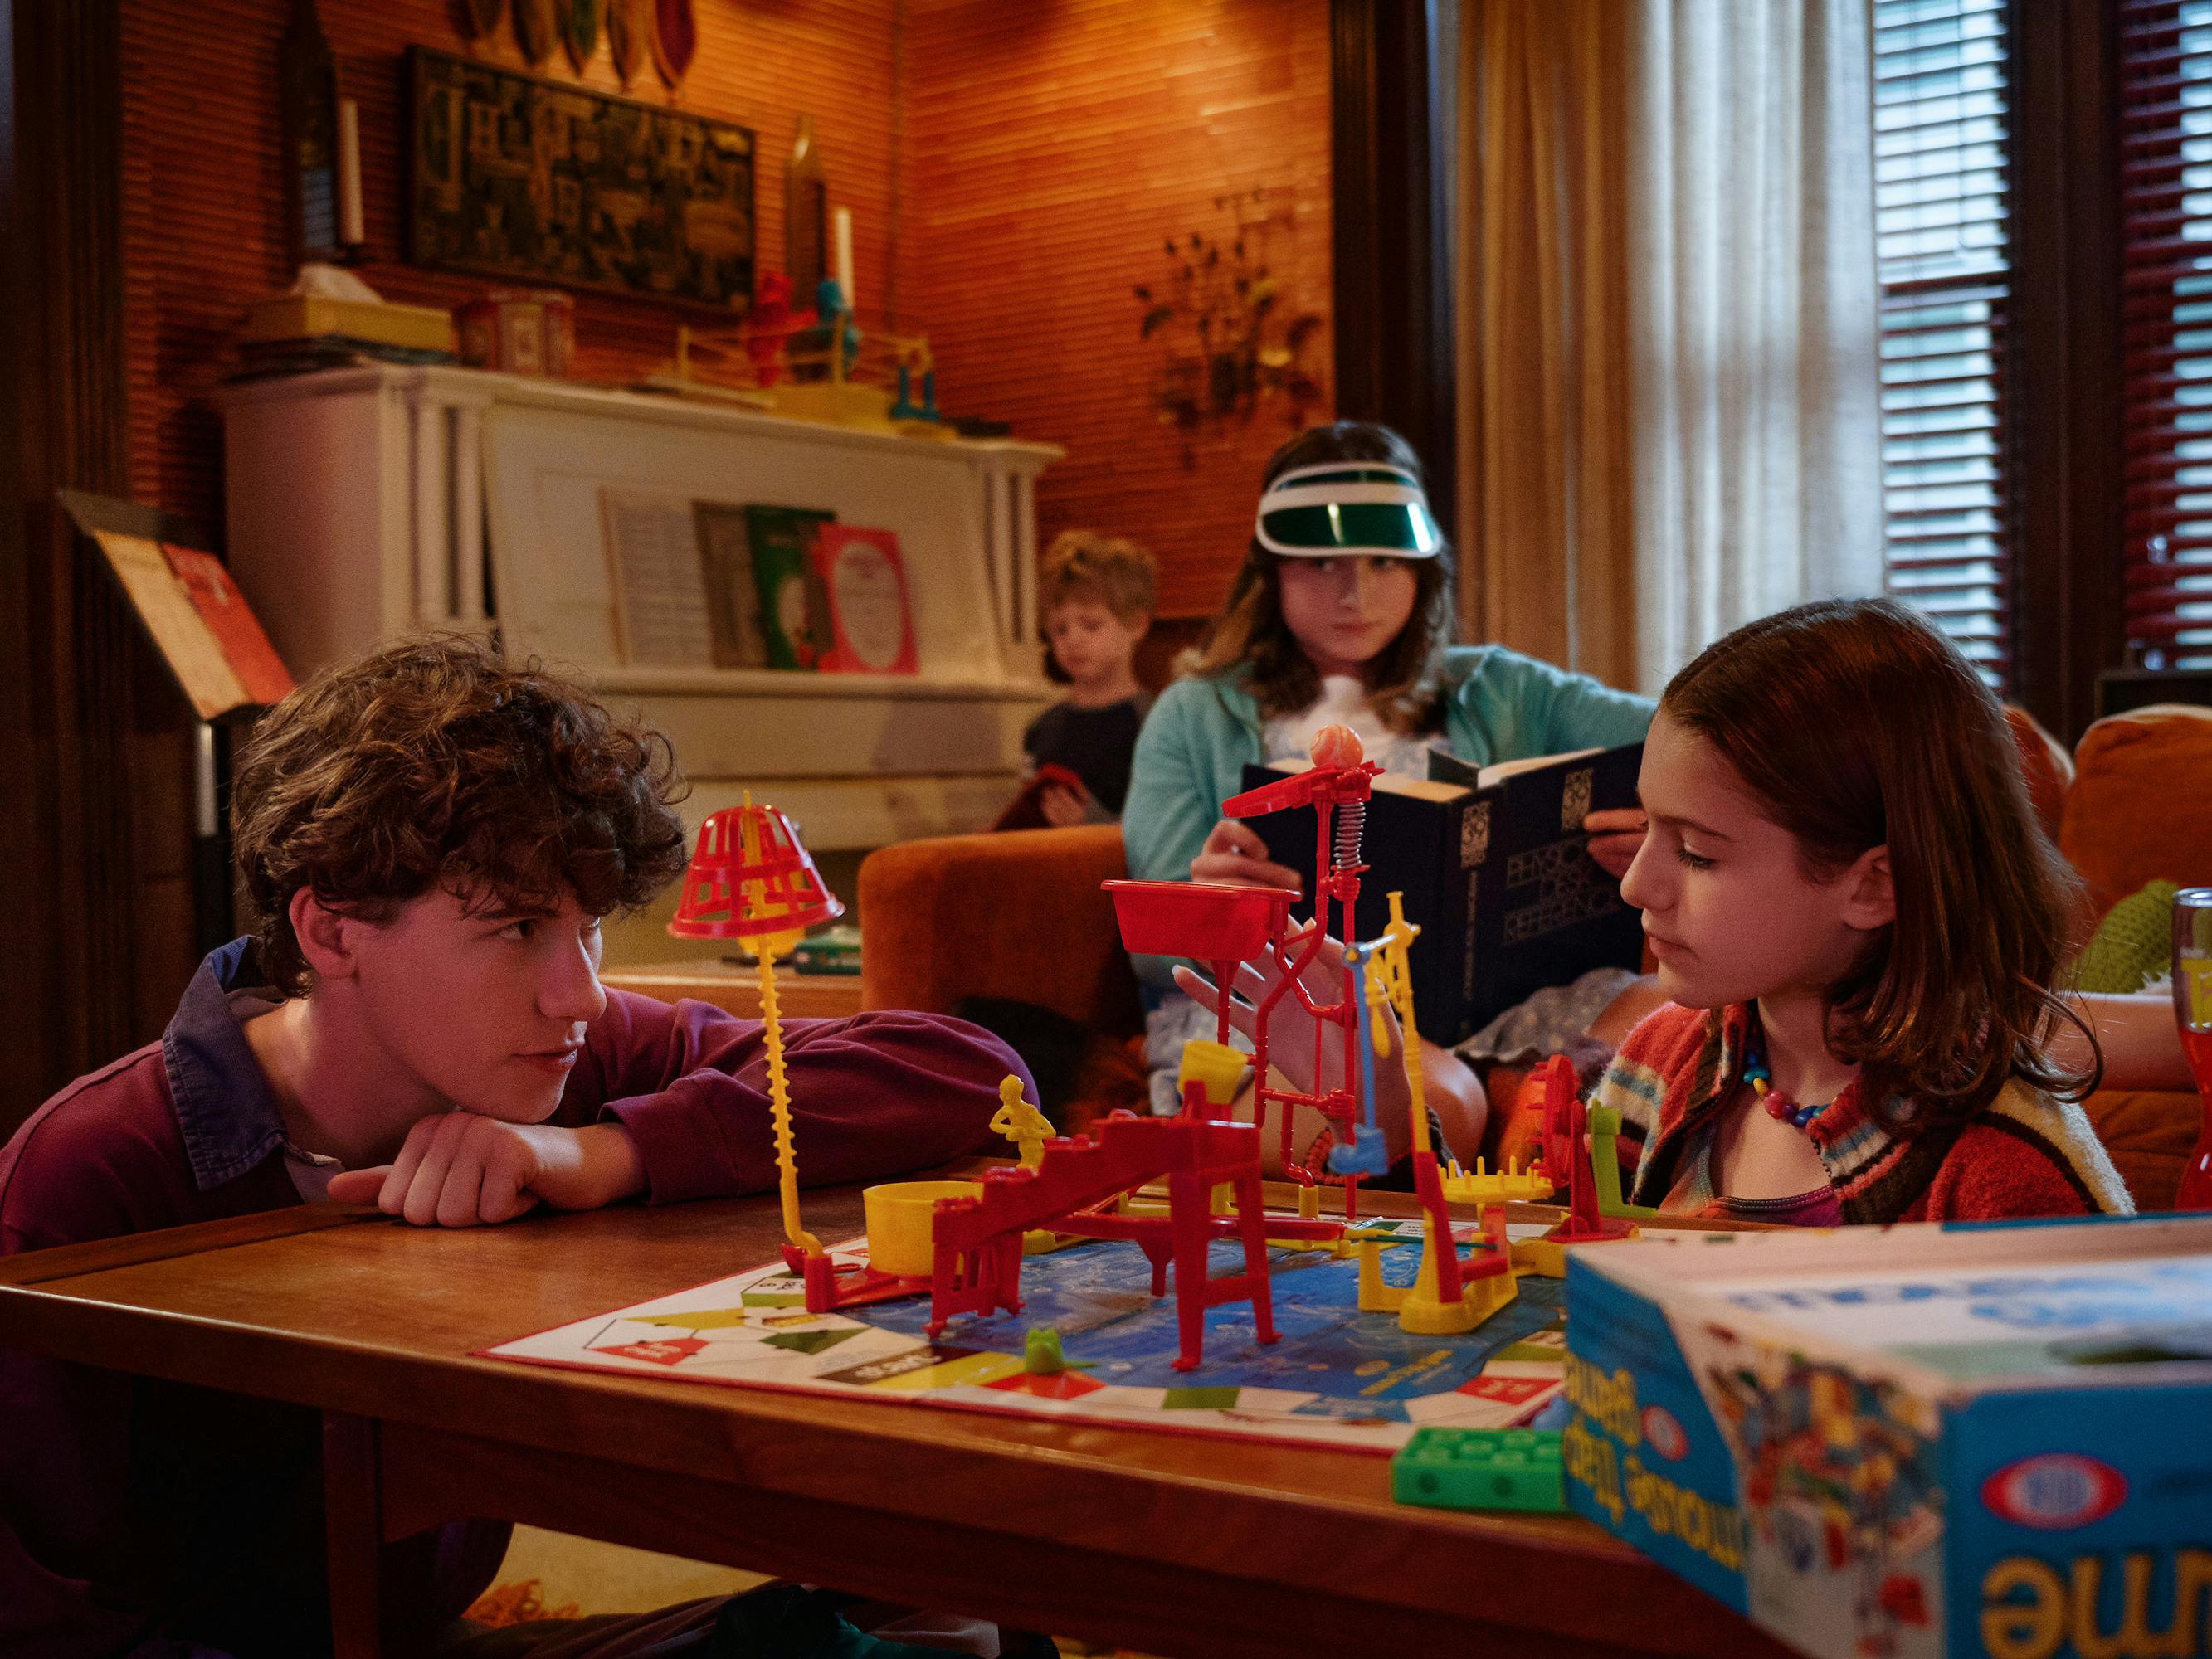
430	839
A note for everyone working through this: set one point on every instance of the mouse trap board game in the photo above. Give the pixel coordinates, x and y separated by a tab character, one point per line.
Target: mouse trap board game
1336	1376
1912	1440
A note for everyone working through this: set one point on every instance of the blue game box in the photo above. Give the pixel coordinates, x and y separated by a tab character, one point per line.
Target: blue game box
1911	1441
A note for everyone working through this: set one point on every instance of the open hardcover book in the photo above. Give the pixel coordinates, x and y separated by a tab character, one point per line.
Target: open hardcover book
1496	872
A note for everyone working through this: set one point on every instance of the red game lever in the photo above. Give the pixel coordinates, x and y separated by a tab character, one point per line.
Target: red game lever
1337	785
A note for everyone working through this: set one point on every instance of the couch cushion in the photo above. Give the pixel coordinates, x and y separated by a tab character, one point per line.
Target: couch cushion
2150	1137
2141	806
1019	914
2047	767
2133	944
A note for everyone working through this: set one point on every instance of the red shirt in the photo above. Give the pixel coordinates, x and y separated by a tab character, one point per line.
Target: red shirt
130	1508
2023	1154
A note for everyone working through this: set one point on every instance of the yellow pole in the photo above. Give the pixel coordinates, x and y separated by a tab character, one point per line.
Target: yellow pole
1397	985
779	1102
1424	1311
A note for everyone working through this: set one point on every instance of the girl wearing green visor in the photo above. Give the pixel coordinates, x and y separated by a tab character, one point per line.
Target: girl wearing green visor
1343	614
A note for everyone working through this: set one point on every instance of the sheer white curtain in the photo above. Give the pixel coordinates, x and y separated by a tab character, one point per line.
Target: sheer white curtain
1752	325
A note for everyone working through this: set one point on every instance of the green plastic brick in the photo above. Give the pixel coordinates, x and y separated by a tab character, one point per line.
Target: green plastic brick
1479	1469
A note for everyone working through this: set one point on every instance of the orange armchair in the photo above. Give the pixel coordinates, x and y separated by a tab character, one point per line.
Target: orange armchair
1019	914
2137	809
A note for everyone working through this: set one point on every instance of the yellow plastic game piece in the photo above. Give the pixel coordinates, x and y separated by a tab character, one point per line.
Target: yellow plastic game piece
1547	1257
1422	1308
1603	1127
1510	1185
901	1217
779	1090
1020	1123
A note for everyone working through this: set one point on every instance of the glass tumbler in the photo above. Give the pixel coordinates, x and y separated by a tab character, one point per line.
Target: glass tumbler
2193	1010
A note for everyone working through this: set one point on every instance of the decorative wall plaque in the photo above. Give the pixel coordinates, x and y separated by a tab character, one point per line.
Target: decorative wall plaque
519	177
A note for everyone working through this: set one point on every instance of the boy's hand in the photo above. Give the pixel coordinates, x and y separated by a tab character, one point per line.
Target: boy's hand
1616	835
1234	851
458	1169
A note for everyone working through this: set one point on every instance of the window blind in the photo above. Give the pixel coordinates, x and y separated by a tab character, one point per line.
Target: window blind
1940	132
2165	215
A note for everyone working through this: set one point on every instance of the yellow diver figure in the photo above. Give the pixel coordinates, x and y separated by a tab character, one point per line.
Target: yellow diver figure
1425	1308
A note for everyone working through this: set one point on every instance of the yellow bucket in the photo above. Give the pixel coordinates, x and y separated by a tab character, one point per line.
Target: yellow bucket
900	1216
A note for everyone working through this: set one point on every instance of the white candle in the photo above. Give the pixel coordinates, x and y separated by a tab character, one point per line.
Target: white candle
350	232
845	257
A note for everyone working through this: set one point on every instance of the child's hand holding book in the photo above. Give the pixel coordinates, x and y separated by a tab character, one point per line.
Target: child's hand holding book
1291	1028
1235	852
1615	836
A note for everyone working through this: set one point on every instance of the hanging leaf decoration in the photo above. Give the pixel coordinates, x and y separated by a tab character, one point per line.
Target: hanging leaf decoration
630	36
534	30
480	17
580	30
1230	336
675	38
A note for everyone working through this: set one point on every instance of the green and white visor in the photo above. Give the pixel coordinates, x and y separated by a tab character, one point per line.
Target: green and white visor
1347	507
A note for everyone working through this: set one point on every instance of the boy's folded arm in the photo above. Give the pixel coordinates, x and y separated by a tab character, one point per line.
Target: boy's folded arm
876	1095
460	1170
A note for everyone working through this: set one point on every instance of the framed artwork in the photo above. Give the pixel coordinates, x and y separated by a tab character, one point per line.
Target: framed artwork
514	176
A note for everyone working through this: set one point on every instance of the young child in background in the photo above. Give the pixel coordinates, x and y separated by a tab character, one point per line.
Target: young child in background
430	839
1858	923
1342	614
1098	594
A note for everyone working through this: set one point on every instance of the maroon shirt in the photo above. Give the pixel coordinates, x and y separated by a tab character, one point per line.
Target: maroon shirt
131	1508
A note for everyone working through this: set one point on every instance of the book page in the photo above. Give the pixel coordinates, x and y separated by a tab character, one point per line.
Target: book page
1385	783
660	597
1499	771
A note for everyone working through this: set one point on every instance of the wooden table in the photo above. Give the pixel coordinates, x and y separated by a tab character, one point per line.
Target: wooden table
1177	1544
736	986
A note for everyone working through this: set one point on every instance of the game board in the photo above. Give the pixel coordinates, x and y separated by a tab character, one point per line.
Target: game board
1337	1377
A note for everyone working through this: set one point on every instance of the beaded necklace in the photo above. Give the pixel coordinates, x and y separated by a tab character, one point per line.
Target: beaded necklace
1757	1072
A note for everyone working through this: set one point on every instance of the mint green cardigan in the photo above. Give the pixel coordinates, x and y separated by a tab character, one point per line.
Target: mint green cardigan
1201	733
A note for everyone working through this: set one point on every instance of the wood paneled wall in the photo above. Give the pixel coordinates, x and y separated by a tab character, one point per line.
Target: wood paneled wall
1012	166
1049	148
1012	169
204	220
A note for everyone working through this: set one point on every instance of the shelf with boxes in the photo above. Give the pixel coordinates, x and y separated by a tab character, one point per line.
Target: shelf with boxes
371	502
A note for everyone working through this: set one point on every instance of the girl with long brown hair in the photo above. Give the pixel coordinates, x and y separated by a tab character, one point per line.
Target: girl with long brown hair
1858	924
1341	614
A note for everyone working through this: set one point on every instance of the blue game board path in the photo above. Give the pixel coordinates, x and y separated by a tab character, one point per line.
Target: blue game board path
1358	1365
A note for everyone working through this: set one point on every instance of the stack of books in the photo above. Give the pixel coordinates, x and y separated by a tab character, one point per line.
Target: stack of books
298	333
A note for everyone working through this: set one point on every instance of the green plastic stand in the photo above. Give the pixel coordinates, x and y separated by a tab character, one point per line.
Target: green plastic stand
1480	1469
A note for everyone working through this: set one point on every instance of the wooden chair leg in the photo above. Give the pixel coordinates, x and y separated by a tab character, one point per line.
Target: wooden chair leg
353	1526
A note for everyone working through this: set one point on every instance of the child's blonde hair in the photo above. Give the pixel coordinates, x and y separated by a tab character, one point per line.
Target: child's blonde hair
1083	565
1854	724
